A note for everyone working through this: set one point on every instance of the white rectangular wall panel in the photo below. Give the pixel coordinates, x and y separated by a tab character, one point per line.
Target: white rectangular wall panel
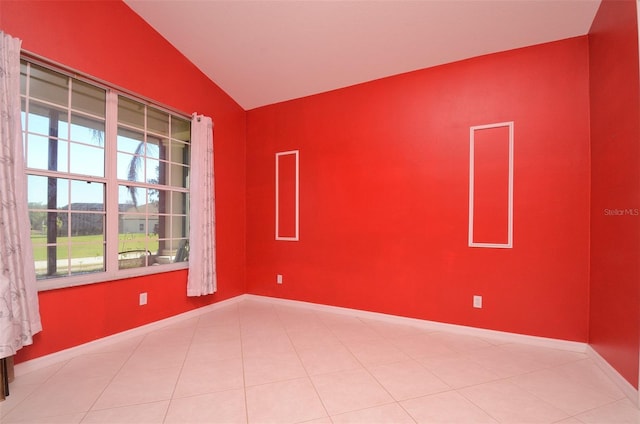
491	185
287	205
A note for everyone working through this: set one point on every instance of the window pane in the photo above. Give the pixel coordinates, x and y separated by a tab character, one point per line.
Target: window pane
174	243
87	239
39	243
164	227
178	203
175	250
133	259
155	171
87	196
157	148
41	270
23	115
130	112
86	130
47	121
182	254
163	255
130	141
132	224
137	244
38	220
180	129
87	98
37	191
167	250
87	160
23	78
87	257
179	175
179	226
158	201
153	224
50	246
42	154
130	167
132	199
52	193
157	121
179	153
50	86
63	128
87	227
60	187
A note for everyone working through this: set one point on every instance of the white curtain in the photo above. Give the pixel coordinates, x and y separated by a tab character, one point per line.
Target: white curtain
19	315
202	226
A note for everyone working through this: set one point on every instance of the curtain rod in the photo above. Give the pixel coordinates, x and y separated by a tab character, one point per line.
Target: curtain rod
74	73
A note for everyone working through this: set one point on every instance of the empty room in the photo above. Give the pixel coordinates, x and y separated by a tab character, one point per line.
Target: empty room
395	211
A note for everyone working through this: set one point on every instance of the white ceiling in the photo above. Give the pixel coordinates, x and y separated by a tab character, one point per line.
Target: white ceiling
266	51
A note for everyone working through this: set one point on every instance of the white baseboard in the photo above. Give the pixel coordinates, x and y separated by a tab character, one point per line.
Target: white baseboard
67	354
615	376
433	325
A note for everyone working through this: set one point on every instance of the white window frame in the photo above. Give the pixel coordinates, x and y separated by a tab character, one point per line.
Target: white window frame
112	271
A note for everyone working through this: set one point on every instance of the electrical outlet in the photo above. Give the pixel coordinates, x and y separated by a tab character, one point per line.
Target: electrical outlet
143	299
279	278
477	302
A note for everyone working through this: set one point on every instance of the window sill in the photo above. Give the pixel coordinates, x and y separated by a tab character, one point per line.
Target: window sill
101	277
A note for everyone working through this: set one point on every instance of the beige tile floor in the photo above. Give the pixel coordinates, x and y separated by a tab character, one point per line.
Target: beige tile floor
259	362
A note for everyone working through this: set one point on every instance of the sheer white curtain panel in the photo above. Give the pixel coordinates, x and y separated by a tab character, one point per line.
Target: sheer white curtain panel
19	314
202	226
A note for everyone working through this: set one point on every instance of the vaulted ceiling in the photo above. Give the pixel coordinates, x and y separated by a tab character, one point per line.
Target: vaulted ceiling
266	51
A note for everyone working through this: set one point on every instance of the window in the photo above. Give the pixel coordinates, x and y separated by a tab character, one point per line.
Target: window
107	180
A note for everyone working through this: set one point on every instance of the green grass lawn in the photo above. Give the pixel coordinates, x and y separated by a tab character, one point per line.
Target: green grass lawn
91	246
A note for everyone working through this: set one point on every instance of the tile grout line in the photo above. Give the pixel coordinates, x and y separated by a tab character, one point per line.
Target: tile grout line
244	378
184	360
364	367
295	349
111	379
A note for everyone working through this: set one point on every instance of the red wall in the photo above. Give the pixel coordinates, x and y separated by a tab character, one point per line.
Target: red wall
109	41
384	185
384	177
615	187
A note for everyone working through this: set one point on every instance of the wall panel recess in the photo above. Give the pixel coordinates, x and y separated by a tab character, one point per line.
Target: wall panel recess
287	196
491	185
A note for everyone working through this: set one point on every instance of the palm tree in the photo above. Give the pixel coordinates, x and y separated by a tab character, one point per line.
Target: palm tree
133	171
